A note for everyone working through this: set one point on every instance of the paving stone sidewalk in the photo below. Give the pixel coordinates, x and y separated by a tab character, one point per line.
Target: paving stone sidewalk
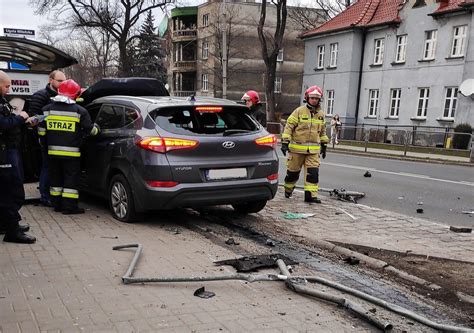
338	221
70	281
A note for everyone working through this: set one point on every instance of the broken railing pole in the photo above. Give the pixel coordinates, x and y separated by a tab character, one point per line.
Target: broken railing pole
295	285
134	262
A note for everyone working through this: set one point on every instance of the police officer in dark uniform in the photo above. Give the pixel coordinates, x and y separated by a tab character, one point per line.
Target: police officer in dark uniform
12	193
66	124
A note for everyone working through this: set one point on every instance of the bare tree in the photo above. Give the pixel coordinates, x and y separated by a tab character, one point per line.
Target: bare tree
119	18
216	54
93	48
320	11
271	45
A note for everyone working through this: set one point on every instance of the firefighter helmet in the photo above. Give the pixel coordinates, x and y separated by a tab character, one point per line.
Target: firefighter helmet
69	88
313	91
251	95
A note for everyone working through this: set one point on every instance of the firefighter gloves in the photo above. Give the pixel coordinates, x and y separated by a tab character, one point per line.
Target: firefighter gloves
323	151
284	147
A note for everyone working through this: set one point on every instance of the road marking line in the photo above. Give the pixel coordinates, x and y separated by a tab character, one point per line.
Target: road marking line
413	175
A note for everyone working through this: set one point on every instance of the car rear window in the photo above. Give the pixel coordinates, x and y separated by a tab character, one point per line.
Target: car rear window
202	120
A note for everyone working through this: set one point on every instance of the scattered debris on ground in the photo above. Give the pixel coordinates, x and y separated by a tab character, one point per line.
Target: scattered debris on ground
460	229
367	174
231	241
294	216
201	292
252	263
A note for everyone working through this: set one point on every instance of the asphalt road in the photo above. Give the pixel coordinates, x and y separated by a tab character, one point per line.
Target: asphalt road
442	191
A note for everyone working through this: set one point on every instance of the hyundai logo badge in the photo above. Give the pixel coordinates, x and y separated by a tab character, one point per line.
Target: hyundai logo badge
228	144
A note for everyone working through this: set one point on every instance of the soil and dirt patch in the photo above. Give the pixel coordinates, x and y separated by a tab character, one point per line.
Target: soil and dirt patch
455	277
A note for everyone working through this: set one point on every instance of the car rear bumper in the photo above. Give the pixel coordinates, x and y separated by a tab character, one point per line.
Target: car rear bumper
209	194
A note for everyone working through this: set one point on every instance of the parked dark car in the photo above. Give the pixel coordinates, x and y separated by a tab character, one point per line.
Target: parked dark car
162	152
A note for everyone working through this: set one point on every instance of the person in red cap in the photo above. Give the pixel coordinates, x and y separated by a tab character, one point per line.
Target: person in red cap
66	124
305	138
257	110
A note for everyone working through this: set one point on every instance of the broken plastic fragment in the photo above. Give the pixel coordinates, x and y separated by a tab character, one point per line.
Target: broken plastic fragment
201	292
294	216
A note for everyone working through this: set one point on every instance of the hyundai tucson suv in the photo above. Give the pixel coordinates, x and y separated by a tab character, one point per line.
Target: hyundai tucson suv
162	152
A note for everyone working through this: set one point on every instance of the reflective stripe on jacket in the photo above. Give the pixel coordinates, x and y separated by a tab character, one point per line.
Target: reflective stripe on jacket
305	131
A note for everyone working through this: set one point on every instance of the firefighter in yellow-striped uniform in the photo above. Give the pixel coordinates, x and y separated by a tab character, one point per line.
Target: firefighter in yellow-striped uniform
63	128
305	138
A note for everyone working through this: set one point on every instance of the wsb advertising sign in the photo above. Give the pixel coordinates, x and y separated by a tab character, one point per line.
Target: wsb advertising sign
26	85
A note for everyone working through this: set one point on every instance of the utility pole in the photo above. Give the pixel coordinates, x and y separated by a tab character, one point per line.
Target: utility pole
224	51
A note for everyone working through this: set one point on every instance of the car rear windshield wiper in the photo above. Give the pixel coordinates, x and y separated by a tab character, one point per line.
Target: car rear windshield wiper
235	131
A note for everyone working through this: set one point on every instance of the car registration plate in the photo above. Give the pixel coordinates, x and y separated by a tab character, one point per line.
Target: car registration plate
217	174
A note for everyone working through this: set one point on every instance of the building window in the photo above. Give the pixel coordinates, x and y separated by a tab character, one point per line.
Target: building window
280	55
333	58
330	101
450	102
459	41
320	57
430	44
423	97
278	81
378	51
395	95
205	20
205	49
373	103
205	82
401	48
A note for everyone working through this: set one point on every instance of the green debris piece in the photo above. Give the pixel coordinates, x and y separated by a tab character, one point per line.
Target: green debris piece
294	216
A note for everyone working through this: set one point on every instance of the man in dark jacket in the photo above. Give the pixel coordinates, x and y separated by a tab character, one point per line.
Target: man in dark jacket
257	110
12	193
40	99
66	124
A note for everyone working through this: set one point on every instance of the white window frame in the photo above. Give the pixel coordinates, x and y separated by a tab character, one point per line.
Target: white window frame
379	45
280	55
429	50
401	49
450	102
205	20
278	83
320	57
459	41
423	99
330	102
395	99
205	49
204	82
373	103
333	54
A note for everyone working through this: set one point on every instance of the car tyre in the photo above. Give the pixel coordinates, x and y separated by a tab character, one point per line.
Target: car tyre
121	200
250	207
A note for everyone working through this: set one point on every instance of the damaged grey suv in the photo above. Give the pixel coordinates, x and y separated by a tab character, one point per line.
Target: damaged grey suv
162	152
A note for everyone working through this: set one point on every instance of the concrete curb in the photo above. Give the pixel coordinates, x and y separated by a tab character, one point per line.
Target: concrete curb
368	261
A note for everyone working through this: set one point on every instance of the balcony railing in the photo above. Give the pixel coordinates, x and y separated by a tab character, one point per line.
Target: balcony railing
191	33
185	66
183	93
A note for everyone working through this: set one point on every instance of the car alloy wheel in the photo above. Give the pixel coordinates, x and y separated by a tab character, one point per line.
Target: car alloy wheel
121	200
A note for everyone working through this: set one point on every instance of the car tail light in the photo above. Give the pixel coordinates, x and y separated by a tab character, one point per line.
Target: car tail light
273	176
163	145
157	183
211	109
269	140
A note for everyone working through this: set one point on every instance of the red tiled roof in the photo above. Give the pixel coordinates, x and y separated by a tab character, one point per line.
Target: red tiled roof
363	13
451	5
367	13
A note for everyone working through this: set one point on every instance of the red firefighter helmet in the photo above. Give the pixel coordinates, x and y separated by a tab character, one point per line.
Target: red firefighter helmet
313	91
251	95
70	89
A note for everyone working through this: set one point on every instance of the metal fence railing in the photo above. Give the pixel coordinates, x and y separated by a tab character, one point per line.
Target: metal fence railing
405	137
